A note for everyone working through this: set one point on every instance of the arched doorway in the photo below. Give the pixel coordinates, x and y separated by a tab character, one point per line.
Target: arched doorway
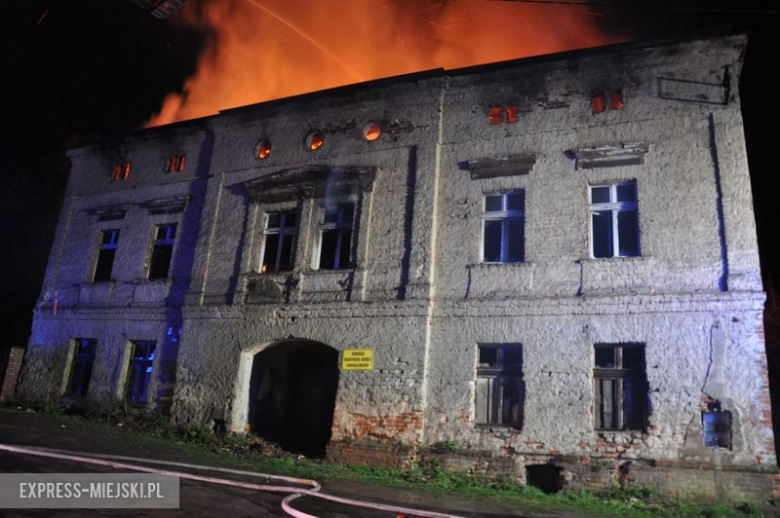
292	395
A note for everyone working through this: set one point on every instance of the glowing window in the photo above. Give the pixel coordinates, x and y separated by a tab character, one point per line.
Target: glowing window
372	132
315	140
121	172
278	239
500	391
616	101
176	163
263	149
512	113
597	103
503	228
109	240
614	220
495	114
139	372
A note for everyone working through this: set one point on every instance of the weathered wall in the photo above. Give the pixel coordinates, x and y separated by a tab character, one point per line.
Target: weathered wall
419	295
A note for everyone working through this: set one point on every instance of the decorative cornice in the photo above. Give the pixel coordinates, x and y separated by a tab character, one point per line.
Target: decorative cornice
611	155
494	167
311	182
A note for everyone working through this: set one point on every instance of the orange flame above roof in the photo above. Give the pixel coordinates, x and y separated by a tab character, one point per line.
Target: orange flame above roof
268	49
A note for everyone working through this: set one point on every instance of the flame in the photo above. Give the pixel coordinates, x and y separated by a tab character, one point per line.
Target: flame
267	49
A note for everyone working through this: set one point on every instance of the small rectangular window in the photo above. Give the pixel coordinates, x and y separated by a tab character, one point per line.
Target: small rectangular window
176	163
139	372
614	220
500	390
620	387
109	240
278	241
162	251
503	228
81	370
121	172
336	236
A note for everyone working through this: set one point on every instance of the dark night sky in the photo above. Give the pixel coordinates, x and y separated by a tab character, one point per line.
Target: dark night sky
98	68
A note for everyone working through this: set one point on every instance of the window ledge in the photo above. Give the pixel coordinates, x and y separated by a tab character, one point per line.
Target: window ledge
99	283
615	260
342	271
502	427
488	266
153	281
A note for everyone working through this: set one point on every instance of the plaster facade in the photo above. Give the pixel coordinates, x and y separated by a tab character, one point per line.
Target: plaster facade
419	292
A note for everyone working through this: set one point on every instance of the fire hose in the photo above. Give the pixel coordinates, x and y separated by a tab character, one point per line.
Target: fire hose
113	461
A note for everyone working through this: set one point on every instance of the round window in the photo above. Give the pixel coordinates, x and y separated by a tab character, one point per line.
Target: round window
315	140
263	149
372	131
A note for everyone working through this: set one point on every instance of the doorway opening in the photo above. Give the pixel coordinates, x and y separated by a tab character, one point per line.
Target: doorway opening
292	395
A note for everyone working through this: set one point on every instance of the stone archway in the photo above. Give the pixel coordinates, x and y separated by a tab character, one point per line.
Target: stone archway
292	394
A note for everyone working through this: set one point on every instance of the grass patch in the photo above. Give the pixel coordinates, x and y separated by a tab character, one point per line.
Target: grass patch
248	452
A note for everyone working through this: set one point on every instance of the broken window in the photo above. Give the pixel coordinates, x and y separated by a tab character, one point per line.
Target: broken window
717	428
162	251
139	371
620	387
263	149
109	240
336	236
614	219
500	391
81	370
503	234
176	163
278	239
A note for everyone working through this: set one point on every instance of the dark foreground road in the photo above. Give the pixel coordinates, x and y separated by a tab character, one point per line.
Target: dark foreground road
200	498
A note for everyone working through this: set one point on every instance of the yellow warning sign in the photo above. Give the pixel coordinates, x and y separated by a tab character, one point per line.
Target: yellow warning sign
357	360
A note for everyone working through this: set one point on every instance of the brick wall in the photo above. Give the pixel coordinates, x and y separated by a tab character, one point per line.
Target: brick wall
11	374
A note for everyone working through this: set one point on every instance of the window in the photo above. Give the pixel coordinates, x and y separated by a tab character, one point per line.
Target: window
139	372
503	234
162	251
278	239
121	172
620	387
81	371
336	236
105	259
614	220
176	163
600	101
500	390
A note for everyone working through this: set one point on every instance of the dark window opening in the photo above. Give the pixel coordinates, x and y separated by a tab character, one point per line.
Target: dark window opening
81	370
109	240
162	251
717	428
620	387
614	220
503	236
292	395
336	236
278	240
546	477
139	372
500	390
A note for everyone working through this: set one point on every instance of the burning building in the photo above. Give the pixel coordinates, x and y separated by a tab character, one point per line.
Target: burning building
549	263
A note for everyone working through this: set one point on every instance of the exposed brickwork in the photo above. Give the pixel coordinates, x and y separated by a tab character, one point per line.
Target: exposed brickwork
11	375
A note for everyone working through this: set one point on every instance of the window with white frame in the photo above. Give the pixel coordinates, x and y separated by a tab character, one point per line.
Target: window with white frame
336	236
500	391
109	240
503	228
278	241
614	220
